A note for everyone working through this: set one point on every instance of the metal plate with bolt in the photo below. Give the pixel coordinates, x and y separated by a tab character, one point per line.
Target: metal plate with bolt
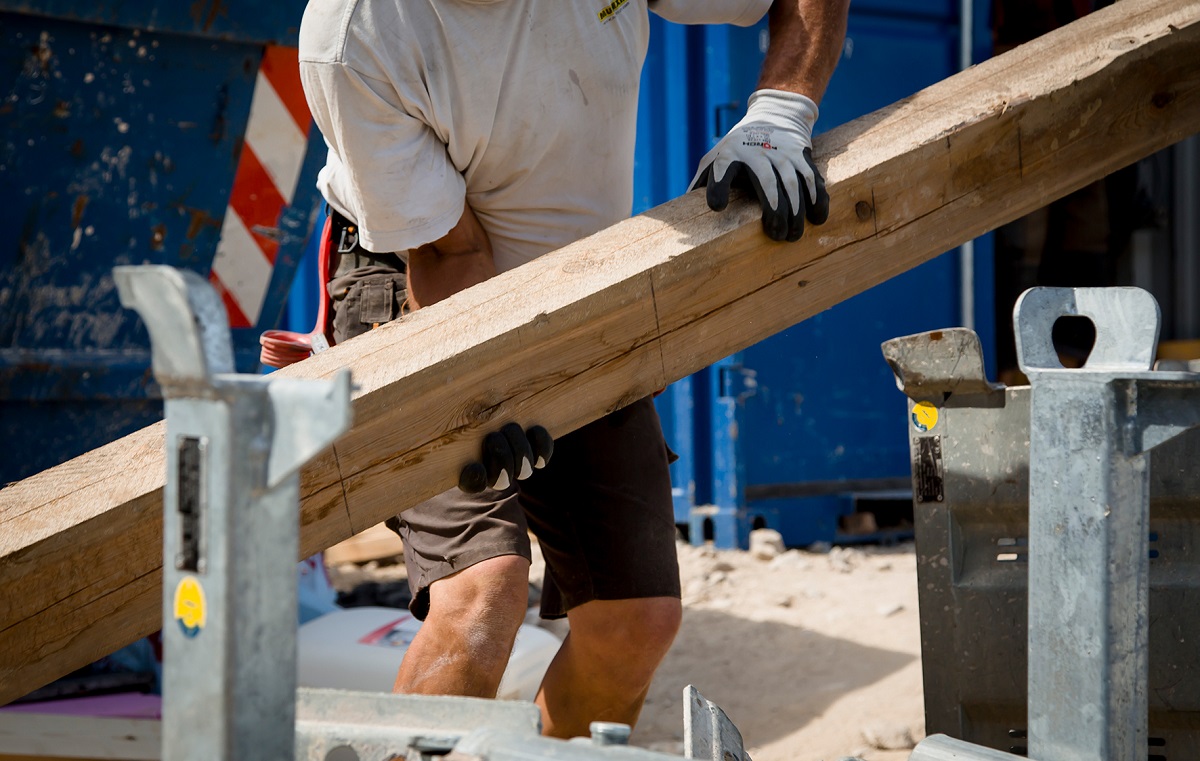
1110	642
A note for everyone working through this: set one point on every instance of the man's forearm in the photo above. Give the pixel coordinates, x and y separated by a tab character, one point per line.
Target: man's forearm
457	261
433	276
806	41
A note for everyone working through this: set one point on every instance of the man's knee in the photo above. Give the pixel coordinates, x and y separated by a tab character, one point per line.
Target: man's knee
463	647
494	587
636	633
487	599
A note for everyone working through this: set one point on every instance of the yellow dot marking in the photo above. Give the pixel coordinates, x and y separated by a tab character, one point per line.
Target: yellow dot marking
190	606
924	416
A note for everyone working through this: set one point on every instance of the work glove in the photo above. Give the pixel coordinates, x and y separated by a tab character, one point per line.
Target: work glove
770	152
508	455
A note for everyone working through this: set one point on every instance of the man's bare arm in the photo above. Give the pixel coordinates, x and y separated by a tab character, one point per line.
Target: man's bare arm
456	261
806	41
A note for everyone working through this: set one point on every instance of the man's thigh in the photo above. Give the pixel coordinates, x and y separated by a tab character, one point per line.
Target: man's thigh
603	515
454	531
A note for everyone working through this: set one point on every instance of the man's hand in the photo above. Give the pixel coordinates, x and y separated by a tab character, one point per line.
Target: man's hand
769	152
509	455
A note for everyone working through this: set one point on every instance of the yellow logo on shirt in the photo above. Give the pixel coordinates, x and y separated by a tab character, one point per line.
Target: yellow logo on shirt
610	10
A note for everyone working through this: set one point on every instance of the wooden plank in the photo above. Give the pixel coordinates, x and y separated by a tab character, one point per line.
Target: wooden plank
584	330
376	543
46	737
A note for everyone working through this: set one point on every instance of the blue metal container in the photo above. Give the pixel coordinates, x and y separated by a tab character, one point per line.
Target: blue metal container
123	129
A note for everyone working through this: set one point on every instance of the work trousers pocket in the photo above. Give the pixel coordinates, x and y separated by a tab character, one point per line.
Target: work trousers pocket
369	302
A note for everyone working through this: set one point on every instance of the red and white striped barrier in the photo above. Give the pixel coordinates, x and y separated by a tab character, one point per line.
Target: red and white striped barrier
275	144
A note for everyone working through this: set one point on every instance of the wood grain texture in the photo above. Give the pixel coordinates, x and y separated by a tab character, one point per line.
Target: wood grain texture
589	328
47	737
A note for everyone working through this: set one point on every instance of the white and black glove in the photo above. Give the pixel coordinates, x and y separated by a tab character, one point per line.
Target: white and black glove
509	455
769	152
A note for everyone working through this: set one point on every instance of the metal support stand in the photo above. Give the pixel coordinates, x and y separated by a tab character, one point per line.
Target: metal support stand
235	444
1091	430
1090	433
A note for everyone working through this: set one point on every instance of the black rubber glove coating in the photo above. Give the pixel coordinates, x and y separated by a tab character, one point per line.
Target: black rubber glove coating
498	460
778	223
817	210
543	445
508	455
473	478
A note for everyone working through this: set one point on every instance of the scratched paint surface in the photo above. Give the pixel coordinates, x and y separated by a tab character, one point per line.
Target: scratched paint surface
276	22
114	157
117	146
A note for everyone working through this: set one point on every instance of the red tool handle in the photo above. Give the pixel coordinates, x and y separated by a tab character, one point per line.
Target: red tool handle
281	348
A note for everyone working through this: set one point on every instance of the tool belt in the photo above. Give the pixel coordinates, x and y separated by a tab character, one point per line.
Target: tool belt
350	253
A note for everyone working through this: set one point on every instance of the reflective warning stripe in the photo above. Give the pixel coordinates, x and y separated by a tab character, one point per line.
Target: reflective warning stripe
272	155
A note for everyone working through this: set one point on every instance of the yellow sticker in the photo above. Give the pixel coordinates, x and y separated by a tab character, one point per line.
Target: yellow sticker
924	416
190	606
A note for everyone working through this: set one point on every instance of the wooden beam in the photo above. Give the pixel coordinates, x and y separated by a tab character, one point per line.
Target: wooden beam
584	330
51	737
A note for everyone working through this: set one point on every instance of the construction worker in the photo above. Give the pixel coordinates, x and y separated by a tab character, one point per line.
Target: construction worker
467	137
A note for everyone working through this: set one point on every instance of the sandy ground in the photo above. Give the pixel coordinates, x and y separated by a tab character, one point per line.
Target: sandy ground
814	656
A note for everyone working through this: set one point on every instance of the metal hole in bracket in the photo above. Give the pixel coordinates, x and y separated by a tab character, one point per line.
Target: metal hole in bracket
1016	549
1073	336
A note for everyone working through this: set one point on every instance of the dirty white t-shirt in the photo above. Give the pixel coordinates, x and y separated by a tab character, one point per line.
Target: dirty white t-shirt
524	109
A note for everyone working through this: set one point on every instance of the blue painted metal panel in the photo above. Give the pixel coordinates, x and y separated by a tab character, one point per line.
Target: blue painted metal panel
119	146
662	165
276	23
929	9
823	408
676	411
800	521
112	159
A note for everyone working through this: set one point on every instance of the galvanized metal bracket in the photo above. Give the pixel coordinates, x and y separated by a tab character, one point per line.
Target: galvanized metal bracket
938	363
1126	322
708	734
333	724
1090	431
235	445
189	333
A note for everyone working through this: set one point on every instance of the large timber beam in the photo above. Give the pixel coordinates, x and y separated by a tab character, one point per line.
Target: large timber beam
584	330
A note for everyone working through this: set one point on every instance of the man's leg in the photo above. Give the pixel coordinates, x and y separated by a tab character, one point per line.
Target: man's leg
464	644
605	665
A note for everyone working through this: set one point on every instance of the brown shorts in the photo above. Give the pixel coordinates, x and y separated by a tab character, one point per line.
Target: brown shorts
601	510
